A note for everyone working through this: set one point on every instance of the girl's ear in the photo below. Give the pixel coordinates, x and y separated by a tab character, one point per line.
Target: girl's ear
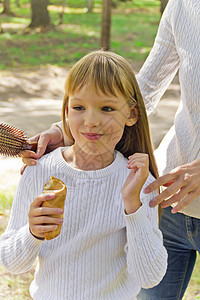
133	117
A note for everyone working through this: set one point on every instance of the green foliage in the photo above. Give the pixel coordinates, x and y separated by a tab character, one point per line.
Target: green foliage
193	288
134	25
6	200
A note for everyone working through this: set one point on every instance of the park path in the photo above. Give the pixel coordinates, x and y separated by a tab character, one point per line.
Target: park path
32	101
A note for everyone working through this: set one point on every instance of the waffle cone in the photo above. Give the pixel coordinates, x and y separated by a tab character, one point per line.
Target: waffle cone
57	187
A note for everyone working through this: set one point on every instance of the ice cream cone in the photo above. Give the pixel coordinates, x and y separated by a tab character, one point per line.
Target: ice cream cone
57	187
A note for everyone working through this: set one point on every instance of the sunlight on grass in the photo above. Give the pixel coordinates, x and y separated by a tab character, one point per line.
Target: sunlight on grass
15	287
193	290
6	200
132	34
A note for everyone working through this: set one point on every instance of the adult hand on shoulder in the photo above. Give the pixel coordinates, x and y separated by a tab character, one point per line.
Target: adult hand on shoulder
47	141
183	184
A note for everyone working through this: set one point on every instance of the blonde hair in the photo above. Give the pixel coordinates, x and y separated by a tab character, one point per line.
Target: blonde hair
109	72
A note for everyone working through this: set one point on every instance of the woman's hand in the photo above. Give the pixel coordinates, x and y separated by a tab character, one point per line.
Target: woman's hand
47	140
139	165
183	184
40	218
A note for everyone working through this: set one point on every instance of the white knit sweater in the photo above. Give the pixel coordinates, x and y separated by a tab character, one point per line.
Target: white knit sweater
177	46
101	253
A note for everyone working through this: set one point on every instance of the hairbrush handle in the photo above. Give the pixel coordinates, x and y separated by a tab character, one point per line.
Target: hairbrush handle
31	146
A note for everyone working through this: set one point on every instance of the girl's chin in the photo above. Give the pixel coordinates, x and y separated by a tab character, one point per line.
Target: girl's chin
93	150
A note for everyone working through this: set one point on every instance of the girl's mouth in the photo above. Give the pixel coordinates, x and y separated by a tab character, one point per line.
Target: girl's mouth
92	136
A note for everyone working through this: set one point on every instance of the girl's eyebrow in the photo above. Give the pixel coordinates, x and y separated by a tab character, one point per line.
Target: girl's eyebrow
76	98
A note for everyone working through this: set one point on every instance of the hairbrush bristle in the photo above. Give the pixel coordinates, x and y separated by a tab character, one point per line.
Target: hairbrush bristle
12	140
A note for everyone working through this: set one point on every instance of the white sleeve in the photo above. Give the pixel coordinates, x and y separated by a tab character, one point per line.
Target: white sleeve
146	255
18	247
162	63
60	125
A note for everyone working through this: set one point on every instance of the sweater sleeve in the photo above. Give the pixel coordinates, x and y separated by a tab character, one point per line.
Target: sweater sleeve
60	125
162	63
18	247
146	255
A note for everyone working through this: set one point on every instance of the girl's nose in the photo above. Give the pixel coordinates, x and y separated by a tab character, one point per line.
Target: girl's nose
92	120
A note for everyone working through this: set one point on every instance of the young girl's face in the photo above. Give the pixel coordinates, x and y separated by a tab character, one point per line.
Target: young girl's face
97	120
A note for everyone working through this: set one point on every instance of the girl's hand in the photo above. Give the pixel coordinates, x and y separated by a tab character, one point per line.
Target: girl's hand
51	139
182	183
40	219
139	165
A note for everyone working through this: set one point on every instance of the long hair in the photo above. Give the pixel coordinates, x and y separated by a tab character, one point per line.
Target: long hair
109	72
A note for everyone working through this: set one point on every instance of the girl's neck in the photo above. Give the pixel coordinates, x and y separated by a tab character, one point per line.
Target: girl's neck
79	159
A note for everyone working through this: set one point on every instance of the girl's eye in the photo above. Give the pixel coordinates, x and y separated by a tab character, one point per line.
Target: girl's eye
107	108
78	107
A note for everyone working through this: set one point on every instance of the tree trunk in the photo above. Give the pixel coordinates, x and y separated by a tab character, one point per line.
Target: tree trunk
17	3
106	24
6	7
61	16
89	5
163	5
1	28
39	13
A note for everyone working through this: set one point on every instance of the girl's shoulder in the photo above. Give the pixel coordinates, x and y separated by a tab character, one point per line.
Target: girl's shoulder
51	158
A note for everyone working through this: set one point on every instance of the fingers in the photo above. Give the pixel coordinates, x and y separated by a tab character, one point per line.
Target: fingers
191	196
139	165
46	142
43	141
47	211
138	159
176	197
34	138
41	219
41	198
171	190
165	180
29	157
183	186
22	169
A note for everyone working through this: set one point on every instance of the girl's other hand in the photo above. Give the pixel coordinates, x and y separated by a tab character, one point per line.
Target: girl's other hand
47	141
40	218
139	165
183	185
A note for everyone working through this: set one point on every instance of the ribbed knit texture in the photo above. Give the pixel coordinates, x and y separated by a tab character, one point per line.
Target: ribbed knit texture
177	46
101	253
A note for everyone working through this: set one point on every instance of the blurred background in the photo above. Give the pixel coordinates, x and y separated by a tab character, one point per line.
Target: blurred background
39	42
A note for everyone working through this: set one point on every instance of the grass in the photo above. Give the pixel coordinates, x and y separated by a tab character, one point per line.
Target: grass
134	26
193	290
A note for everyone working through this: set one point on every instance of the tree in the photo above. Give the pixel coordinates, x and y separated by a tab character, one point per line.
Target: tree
106	24
6	7
61	15
89	5
39	13
163	5
17	3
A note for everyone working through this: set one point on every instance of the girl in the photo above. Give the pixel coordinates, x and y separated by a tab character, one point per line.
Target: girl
110	245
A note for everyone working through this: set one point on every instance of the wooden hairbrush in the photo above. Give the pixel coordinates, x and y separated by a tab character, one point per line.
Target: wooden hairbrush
13	141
